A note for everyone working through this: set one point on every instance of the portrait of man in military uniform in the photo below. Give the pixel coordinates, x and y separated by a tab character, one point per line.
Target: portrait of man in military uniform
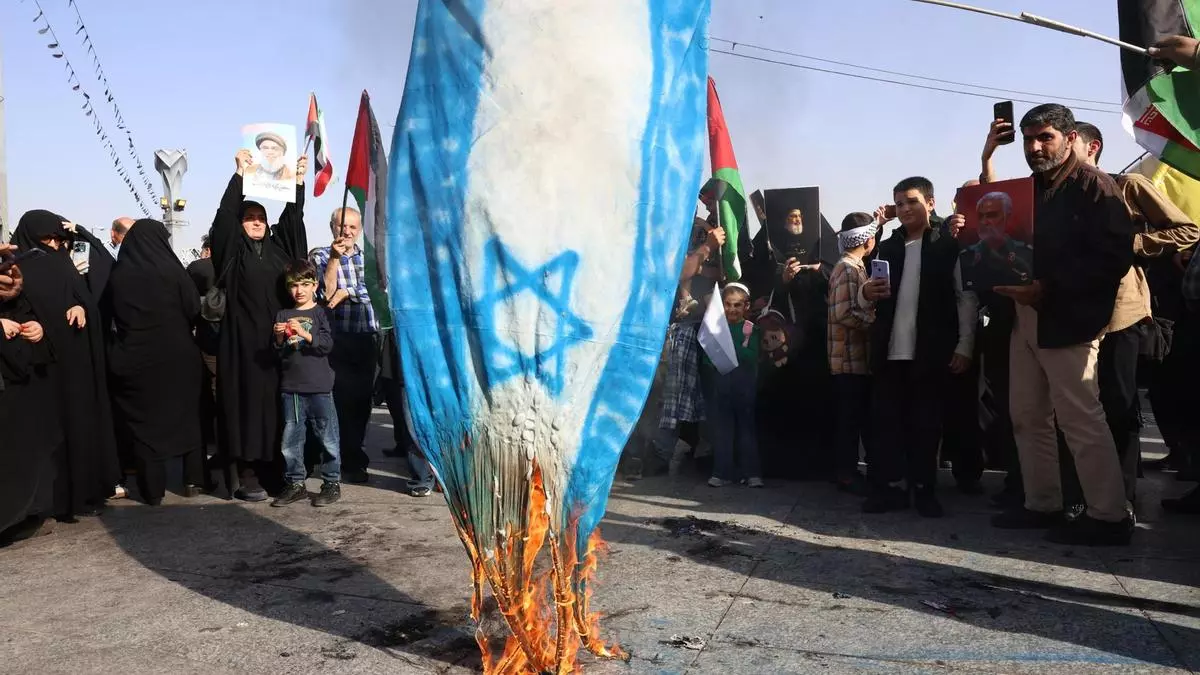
997	259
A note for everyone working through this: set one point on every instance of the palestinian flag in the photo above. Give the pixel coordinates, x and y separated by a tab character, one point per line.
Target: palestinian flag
1162	109
315	131
725	188
366	180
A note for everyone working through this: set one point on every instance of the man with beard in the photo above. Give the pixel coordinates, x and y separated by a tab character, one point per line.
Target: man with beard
996	259
273	167
1083	246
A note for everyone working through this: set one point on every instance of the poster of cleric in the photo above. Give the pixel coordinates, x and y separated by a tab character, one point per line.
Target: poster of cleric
273	173
997	238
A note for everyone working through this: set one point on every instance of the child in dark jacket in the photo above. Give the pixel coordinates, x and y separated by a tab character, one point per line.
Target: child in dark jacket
304	338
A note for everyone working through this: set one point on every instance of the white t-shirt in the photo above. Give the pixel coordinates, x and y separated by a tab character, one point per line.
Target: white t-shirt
903	343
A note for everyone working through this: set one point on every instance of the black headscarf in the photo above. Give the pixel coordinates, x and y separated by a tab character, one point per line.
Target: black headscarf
35	226
256	244
52	283
147	246
149	277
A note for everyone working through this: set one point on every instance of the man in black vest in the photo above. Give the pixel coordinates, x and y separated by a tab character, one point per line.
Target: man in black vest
923	332
1082	248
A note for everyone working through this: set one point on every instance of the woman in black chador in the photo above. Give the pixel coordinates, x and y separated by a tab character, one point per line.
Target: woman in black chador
249	260
87	470
153	362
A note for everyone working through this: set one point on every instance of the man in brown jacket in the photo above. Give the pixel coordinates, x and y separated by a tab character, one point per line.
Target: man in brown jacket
1161	229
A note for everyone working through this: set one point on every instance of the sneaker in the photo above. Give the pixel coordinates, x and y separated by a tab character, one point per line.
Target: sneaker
420	490
755	482
717	482
257	495
927	504
1087	531
192	491
330	493
1187	504
886	499
291	494
1024	519
357	476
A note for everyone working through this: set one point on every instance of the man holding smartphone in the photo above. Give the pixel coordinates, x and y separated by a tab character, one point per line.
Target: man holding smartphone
923	332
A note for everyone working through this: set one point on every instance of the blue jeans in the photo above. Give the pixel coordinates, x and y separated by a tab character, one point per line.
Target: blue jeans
729	401
302	413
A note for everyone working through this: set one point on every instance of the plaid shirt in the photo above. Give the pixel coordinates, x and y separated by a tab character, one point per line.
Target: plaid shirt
848	320
355	314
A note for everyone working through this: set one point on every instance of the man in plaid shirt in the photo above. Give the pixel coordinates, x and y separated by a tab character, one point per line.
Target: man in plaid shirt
342	270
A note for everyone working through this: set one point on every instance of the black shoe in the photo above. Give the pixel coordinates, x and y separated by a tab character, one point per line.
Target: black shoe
1072	511
1087	531
356	476
291	494
970	487
247	495
1023	519
927	504
330	493
1189	503
886	499
192	491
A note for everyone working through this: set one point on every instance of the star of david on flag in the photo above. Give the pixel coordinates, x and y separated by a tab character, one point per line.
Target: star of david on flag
505	279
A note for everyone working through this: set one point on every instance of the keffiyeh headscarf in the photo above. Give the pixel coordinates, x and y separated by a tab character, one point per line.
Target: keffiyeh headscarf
857	229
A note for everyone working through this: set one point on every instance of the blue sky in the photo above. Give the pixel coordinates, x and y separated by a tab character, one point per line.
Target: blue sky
188	75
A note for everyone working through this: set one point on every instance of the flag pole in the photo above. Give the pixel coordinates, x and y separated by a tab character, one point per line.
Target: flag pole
1033	19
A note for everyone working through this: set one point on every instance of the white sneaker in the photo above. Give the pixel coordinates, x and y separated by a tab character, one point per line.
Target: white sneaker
717	482
754	482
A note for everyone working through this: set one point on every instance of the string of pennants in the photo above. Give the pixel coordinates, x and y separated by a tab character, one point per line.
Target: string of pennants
89	111
120	119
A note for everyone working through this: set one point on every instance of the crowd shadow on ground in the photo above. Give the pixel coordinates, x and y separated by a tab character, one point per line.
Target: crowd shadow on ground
964	580
230	553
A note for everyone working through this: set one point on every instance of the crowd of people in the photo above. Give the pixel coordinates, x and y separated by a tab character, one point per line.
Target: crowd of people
261	361
258	361
1037	375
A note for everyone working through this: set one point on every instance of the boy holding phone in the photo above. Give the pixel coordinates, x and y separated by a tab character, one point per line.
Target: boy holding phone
923	331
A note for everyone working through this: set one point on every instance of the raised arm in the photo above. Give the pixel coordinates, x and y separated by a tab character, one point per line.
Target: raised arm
226	230
289	233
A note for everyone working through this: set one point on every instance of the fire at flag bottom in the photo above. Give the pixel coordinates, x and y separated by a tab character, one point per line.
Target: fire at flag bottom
544	174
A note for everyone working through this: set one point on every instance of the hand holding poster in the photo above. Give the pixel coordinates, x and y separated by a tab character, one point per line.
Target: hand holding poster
273	173
998	235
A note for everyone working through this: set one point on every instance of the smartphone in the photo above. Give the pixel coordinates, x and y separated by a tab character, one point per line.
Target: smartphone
1004	111
889	211
7	263
880	269
80	252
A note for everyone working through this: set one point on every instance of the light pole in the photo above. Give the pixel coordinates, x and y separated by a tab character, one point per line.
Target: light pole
171	165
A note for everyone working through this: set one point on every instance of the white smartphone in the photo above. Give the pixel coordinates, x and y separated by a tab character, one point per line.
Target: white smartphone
81	251
880	269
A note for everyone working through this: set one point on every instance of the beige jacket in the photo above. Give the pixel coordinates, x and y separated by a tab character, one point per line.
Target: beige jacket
1162	229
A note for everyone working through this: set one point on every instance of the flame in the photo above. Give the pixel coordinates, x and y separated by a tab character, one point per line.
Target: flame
547	609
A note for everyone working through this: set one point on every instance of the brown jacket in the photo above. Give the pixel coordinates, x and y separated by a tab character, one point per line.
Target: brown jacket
1161	229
